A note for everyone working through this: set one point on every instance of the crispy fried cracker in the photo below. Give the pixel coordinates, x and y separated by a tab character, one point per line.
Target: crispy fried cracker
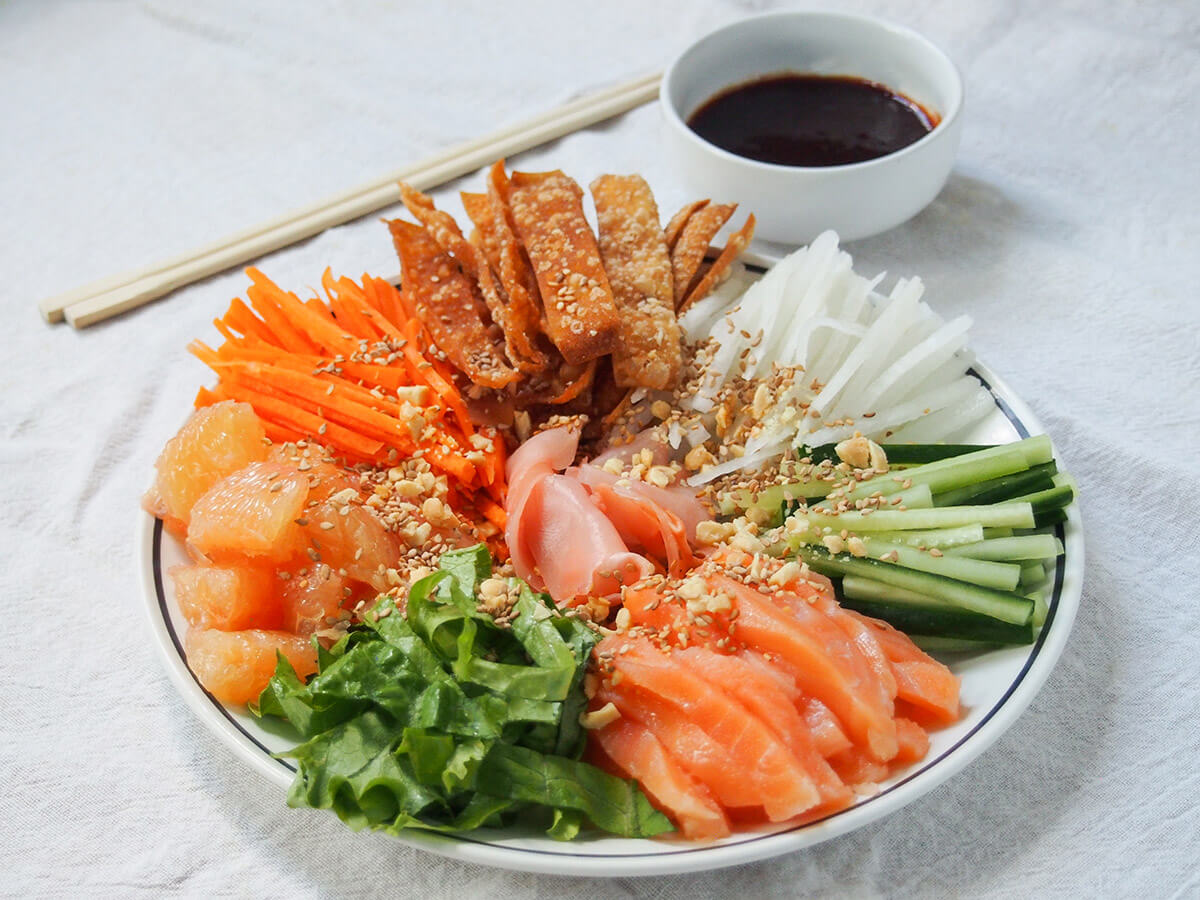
479	211
446	300
689	250
441	226
515	270
581	314
738	241
671	232
634	252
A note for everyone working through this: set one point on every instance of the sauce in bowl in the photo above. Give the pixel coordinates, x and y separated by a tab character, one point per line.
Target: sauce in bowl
811	120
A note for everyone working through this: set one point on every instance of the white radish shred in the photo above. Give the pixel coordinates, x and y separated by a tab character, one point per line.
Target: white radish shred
886	367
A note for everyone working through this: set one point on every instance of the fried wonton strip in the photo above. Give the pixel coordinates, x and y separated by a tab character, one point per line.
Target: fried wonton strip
443	229
671	232
445	300
634	253
738	241
688	253
581	314
479	211
515	272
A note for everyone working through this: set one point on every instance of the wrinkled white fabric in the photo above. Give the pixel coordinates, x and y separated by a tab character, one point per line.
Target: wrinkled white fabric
1068	231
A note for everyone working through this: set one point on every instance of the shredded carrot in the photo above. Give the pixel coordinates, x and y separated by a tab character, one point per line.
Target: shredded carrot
493	512
205	397
619	410
300	365
281	434
265	303
578	386
425	371
240	318
292	416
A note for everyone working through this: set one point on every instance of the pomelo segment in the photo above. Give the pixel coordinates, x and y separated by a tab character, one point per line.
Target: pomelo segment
228	598
251	514
235	666
349	537
311	598
216	441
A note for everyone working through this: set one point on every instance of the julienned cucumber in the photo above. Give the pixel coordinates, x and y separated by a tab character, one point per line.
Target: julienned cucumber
1002	576
1011	515
903	454
915	614
959	471
997	490
1006	606
1007	549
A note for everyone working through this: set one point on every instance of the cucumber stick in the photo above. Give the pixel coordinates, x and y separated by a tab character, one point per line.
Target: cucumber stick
1003	605
999	575
1007	549
1006	515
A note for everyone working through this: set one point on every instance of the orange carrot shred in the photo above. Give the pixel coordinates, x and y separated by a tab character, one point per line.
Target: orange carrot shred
578	386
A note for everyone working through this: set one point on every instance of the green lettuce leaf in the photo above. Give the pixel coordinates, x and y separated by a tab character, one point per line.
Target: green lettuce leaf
443	720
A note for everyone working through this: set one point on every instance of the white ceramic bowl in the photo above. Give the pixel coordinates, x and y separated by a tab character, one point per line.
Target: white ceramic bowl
793	204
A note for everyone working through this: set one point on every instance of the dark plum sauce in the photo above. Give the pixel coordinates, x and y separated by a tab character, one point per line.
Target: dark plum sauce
811	120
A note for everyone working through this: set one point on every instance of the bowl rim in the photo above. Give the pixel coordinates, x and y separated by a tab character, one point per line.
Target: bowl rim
677	121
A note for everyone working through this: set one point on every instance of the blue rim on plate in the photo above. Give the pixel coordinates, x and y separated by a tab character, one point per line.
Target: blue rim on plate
608	856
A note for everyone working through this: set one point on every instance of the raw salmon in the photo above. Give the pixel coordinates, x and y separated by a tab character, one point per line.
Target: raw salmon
760	694
638	754
774	775
928	690
824	662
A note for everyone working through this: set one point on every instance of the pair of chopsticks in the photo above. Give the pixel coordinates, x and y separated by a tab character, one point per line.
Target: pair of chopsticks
116	294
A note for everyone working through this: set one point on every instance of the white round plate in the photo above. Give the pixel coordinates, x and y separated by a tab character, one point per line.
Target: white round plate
997	686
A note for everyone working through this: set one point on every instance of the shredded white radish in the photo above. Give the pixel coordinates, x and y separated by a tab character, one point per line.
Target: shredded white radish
883	366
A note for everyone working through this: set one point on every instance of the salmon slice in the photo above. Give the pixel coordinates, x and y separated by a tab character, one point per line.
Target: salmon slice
667	615
856	767
761	695
695	752
638	754
864	639
914	742
825	663
823	726
781	785
922	683
251	513
827	732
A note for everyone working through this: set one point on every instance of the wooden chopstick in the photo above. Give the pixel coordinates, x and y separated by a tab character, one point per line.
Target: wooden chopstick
119	293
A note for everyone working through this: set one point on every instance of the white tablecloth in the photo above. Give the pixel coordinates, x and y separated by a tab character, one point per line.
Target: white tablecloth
1068	230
